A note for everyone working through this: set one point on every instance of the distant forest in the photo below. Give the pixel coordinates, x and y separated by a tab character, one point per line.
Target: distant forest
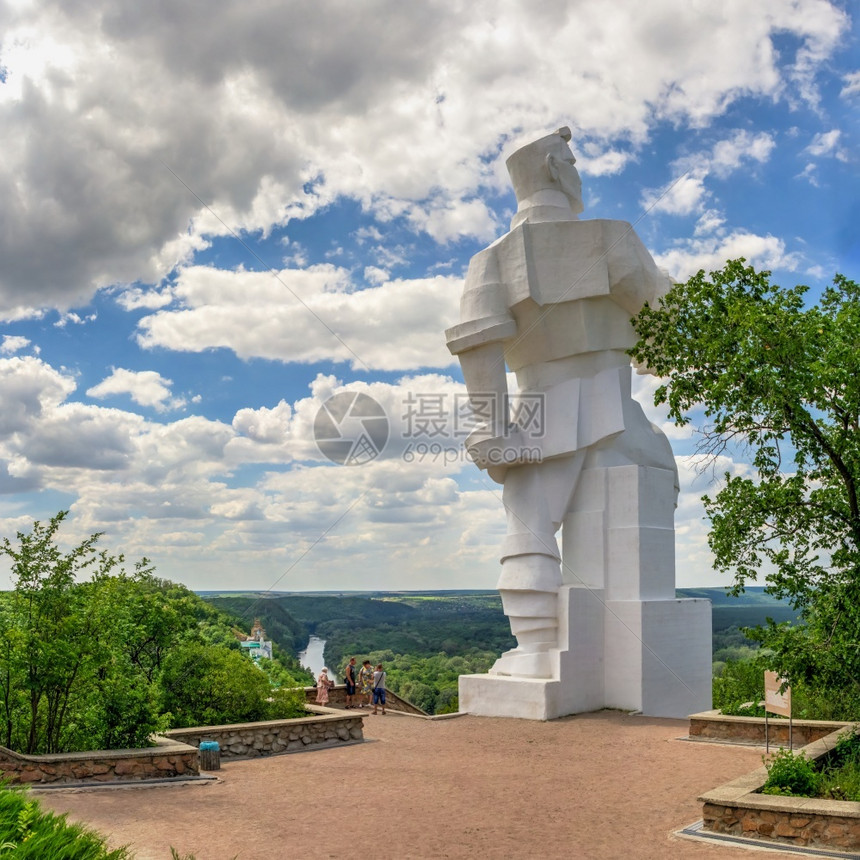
426	640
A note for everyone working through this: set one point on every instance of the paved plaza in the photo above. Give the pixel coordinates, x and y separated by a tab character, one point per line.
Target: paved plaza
602	785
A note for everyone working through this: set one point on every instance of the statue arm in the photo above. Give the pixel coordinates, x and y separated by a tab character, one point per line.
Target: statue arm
478	341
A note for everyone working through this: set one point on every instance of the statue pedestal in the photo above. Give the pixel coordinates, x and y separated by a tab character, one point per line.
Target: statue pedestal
636	655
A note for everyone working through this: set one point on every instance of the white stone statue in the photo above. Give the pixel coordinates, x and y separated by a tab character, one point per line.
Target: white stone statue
552	301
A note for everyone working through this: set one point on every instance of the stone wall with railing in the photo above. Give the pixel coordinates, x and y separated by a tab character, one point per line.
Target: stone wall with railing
337	698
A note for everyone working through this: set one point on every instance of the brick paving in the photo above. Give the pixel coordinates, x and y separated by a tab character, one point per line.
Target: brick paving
592	786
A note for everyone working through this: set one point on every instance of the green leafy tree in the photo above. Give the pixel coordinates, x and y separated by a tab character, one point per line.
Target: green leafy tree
210	685
47	637
777	379
82	663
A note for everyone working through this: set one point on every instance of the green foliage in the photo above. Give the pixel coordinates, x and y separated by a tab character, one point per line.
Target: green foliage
843	784
740	682
809	703
841	779
72	661
846	750
204	685
29	833
82	663
286	703
777	378
790	773
425	641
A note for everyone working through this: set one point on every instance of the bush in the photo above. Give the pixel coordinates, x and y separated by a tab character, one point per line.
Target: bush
121	713
841	779
790	774
831	704
740	681
795	775
286	703
29	833
207	685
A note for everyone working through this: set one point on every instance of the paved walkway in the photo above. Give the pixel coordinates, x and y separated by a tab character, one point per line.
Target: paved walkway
603	785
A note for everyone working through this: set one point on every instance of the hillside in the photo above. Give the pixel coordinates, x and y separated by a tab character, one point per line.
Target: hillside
429	623
750	609
427	639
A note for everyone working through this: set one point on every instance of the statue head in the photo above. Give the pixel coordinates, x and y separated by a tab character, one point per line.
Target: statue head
546	165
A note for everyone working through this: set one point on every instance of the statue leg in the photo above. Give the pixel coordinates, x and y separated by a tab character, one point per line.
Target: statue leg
536	498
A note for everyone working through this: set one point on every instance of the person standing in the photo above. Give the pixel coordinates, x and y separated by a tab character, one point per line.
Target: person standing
349	680
378	689
324	683
365	683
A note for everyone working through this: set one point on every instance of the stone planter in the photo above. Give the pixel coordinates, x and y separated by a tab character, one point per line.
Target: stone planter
166	760
177	754
712	725
737	808
327	727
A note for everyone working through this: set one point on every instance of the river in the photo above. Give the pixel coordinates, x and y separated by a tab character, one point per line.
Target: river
312	658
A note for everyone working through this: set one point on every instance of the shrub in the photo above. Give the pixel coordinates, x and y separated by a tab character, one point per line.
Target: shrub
841	779
747	709
286	703
206	685
791	774
830	704
847	749
740	681
29	833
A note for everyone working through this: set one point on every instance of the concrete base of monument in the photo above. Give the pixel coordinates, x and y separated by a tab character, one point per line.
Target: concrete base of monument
504	696
652	656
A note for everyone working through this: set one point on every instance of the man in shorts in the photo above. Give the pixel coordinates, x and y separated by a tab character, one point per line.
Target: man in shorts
378	689
349	680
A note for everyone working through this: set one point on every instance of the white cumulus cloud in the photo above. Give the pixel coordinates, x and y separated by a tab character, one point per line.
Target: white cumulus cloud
145	387
132	134
308	315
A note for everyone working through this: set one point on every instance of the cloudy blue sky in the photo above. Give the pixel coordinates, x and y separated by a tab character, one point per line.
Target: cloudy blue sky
217	215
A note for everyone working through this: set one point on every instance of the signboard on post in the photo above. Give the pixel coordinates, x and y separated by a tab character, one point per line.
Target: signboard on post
774	701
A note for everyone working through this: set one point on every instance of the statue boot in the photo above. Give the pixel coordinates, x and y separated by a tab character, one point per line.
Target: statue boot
529	588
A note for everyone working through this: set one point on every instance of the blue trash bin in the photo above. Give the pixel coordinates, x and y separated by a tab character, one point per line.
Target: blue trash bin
210	755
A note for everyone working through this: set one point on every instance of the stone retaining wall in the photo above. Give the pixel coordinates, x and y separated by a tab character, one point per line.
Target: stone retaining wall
327	726
712	725
737	809
168	758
